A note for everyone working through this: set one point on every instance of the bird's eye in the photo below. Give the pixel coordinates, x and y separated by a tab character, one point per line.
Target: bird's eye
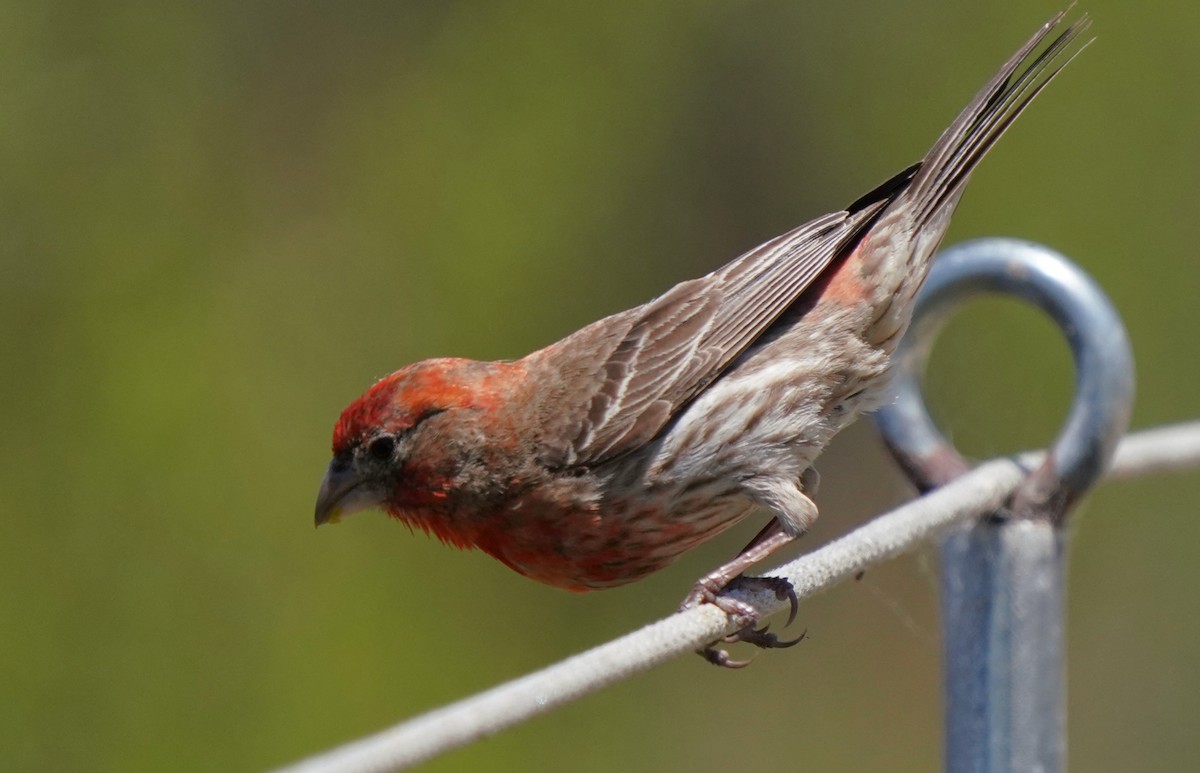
381	447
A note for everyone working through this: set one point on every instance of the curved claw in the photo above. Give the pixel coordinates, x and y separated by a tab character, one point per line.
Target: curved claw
758	637
764	640
745	615
719	657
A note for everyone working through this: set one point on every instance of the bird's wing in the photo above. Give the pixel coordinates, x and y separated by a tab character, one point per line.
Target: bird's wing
641	366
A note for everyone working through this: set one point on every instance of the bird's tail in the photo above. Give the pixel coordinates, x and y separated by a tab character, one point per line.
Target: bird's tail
897	249
939	181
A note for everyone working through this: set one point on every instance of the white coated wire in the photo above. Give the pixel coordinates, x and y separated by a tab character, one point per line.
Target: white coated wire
980	491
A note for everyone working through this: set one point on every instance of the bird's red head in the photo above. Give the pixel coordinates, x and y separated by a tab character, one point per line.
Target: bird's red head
390	443
397	402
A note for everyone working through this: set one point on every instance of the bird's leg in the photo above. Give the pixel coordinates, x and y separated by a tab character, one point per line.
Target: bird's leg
708	588
711	588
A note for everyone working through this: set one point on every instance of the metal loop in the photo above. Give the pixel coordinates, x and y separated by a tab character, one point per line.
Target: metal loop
1099	345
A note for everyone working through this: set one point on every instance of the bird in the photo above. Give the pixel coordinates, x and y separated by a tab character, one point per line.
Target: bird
604	456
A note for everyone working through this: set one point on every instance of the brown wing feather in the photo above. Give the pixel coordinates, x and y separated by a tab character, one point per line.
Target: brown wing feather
675	345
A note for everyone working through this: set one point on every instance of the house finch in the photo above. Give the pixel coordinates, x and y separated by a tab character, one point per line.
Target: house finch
603	457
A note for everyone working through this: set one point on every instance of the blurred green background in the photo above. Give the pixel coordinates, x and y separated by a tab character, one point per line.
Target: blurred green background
222	221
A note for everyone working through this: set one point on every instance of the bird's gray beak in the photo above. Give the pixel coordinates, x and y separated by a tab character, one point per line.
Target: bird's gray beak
343	492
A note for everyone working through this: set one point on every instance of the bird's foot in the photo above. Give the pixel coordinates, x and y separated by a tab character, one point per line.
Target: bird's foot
746	617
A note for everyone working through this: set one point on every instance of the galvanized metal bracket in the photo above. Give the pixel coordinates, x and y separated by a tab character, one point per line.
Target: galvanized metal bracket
1003	579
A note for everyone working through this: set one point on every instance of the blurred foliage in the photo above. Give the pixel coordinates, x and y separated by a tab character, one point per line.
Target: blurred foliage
223	220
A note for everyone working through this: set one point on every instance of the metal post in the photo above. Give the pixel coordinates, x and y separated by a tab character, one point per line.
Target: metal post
1003	579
